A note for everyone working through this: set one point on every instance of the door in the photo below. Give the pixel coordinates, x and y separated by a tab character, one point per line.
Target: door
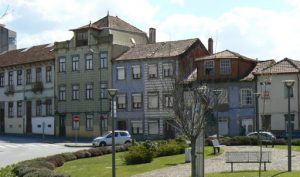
1	119
223	126
169	130
122	125
28	117
62	125
247	125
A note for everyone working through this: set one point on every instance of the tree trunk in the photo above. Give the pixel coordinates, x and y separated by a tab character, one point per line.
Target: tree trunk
193	155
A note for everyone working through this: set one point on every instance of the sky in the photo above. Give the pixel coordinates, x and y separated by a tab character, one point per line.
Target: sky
262	29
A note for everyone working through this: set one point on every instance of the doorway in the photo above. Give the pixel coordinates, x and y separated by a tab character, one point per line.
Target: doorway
223	125
247	124
28	117
1	117
62	125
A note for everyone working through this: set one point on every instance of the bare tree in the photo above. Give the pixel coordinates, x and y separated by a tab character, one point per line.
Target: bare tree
4	13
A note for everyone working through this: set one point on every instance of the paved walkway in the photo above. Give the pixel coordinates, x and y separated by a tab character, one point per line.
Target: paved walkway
217	164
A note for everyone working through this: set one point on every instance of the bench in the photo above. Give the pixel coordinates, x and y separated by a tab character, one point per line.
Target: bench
216	145
248	157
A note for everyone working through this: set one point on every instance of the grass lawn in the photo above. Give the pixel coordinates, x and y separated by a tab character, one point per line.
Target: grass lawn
294	148
270	173
101	166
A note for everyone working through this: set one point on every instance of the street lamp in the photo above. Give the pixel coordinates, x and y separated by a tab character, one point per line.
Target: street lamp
217	94
257	95
289	84
112	93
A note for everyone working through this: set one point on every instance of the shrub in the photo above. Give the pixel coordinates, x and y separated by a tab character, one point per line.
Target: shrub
56	160
171	148
137	155
7	171
79	154
69	156
25	167
95	152
44	173
280	142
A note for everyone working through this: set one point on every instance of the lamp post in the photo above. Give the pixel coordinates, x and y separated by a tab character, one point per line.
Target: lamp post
112	93
257	95
217	94
289	84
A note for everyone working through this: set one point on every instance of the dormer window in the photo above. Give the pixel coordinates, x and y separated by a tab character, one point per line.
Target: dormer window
81	39
209	68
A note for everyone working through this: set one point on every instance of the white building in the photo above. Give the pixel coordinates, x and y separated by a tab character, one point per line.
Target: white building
27	90
273	102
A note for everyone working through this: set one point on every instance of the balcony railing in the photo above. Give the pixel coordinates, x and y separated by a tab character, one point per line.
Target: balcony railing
10	90
37	87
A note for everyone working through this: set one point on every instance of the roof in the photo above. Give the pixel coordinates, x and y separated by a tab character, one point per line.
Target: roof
111	22
225	54
27	55
157	50
258	68
284	66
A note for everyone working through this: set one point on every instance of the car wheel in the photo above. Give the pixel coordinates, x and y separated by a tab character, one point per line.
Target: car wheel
127	143
102	144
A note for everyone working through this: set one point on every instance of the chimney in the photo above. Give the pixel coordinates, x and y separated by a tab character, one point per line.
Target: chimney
152	35
210	46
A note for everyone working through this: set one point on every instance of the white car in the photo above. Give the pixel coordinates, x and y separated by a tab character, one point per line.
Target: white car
121	137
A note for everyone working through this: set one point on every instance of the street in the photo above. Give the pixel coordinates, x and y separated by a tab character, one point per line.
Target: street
15	149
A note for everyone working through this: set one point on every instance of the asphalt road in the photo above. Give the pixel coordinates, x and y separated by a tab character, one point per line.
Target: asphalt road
15	149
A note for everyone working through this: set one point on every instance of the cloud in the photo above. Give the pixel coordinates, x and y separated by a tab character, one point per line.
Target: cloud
178	2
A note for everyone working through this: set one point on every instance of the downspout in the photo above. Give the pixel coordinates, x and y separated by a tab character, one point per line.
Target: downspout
298	101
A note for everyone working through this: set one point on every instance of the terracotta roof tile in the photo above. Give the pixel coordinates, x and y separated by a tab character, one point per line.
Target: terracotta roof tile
27	55
284	66
157	50
225	54
258	68
111	22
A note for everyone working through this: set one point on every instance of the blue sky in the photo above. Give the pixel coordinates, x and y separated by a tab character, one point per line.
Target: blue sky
260	29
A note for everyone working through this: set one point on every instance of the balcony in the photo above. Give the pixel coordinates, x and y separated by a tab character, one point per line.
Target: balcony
10	90
37	87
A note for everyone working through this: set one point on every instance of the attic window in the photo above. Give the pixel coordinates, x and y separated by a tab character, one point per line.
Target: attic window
209	68
81	39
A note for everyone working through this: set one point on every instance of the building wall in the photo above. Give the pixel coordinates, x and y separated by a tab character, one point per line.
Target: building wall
277	103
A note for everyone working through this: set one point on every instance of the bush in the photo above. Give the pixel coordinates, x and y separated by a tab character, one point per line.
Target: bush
137	155
69	156
25	167
7	171
44	173
56	160
170	148
79	154
296	142
95	152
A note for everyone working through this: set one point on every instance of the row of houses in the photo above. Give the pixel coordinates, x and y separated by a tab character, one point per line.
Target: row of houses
61	89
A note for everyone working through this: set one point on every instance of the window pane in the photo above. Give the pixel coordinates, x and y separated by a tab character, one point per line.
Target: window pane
153	127
153	100
152	71
120	73
209	67
225	66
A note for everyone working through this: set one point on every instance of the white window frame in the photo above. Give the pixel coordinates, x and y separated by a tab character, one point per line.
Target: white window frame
19	77
136	100
48	107
62	93
10	109
89	92
121	73
103	59
38	74
38	107
168	101
75	92
89	123
75	63
19	108
2	79
246	96
152	71
136	71
88	62
137	127
10	78
28	76
49	74
153	127
225	67
62	64
155	96
121	104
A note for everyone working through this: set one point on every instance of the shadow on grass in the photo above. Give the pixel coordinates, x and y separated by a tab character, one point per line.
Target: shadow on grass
174	164
278	174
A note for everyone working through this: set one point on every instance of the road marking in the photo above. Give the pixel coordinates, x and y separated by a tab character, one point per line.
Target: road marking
30	146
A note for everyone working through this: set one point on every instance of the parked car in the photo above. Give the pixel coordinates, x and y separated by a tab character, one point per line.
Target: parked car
266	137
121	137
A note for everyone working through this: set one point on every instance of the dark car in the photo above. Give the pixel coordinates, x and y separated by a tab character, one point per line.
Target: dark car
266	137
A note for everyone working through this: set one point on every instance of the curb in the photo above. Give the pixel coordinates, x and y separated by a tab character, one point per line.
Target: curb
77	145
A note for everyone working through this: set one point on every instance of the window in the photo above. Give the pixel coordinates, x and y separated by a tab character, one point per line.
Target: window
246	97
266	90
136	72
137	101
153	100
1	79
89	122
28	76
103	90
152	71
19	108
286	92
89	62
168	69
89	91
209	68
153	127
48	107
38	75
38	108
137	127
48	74
10	109
104	122
62	64
168	101
121	101
120	73
10	78
75	92
62	93
81	38
19	77
292	121
225	68
75	63
103	59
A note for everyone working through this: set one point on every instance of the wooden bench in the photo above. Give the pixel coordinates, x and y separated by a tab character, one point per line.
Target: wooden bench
216	145
248	157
